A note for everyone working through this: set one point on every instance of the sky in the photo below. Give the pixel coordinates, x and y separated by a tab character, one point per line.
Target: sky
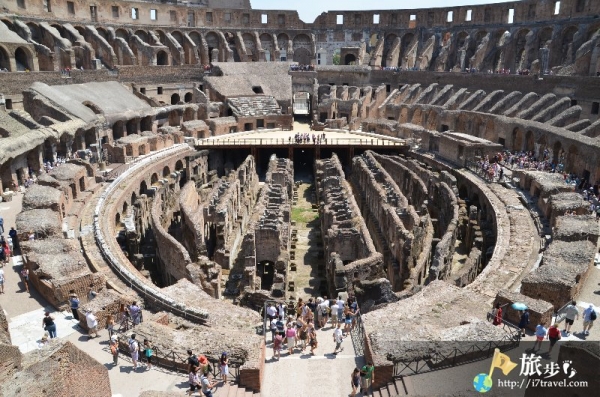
310	9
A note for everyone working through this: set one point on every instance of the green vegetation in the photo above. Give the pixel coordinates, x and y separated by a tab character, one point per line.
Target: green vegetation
304	215
336	59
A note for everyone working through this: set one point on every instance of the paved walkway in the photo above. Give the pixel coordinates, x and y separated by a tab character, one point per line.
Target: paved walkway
302	374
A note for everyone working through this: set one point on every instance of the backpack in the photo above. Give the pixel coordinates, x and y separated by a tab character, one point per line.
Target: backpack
593	315
193	360
132	346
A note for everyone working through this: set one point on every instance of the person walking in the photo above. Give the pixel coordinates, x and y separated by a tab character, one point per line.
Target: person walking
92	324
312	339
110	325
135	313
148	352
134	349
1	225
367	375
25	277
523	322
49	325
334	313
114	349
74	303
277	345
15	240
224	364
540	335
207	385
338	338
347	320
194	380
572	314
290	333
554	336
355	381
589	316
497	313
1	279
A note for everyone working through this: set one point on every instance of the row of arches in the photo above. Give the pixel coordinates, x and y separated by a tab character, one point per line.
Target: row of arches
22	56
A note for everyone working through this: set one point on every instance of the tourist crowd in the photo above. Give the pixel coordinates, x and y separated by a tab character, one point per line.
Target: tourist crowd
492	169
306	138
302	68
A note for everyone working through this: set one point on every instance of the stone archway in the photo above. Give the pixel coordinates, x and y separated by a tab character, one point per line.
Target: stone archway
349	59
302	56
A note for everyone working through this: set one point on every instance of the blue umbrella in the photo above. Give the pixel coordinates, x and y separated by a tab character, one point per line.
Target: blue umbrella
519	306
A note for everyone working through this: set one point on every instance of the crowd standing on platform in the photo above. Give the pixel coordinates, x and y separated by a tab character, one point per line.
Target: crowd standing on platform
305	137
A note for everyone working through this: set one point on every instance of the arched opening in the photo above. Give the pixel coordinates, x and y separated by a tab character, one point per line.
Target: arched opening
178	165
125	207
118	220
188	97
175	99
162	59
146	123
4	59
142	35
349	59
302	56
154	179
132	127
134	197
143	187
530	142
266	271
166	172
557	155
572	156
517	139
118	130
22	60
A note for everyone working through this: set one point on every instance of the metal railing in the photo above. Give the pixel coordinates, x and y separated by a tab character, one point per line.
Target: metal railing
472	352
176	361
456	356
358	335
284	141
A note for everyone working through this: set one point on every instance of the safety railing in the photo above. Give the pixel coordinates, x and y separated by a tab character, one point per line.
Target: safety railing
456	356
292	142
358	335
176	361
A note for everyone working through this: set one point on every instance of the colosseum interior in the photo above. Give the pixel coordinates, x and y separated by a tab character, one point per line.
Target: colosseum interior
205	158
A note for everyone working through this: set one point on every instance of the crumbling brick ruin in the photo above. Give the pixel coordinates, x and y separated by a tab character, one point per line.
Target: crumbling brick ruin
157	158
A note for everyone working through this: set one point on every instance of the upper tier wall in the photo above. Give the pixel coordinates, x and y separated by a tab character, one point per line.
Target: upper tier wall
237	13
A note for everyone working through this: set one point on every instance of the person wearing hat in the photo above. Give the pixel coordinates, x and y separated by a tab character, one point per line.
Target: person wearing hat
204	365
114	349
92	324
74	303
589	316
48	325
224	363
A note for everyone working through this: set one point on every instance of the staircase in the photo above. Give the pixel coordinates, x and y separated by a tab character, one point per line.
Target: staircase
398	387
233	390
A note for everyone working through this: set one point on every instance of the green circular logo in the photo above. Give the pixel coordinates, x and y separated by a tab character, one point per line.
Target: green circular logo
482	383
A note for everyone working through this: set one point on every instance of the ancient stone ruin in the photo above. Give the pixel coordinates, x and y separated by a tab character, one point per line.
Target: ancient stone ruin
204	158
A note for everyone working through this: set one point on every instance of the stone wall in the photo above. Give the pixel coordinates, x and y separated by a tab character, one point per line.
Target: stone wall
403	235
349	249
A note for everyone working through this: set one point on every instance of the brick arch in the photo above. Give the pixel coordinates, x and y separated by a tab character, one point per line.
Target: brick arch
123	33
178	36
518	137
143	35
4	59
24	59
268	44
